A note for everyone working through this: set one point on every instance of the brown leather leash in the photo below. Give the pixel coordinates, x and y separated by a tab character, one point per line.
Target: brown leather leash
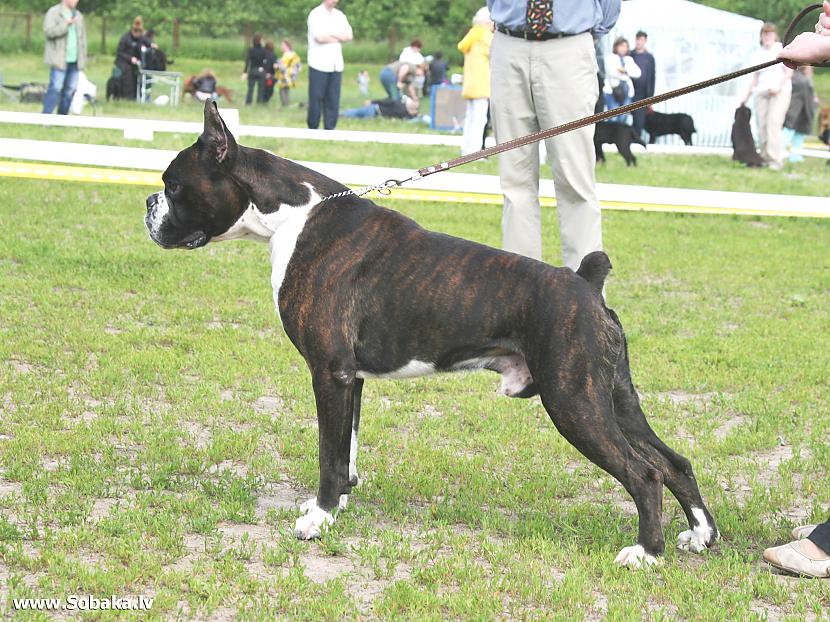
386	187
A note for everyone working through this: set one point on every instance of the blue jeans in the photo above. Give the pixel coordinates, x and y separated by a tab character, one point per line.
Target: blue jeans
323	96
364	112
62	85
611	103
390	83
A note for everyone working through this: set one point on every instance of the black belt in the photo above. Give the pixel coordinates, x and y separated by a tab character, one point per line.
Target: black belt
529	35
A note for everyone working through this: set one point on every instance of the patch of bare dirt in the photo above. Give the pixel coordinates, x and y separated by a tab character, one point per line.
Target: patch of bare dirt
22	367
10	488
269	405
278	497
101	507
199	433
320	567
731	422
684	398
237	469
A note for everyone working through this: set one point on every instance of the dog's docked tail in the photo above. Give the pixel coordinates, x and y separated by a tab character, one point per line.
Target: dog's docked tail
594	268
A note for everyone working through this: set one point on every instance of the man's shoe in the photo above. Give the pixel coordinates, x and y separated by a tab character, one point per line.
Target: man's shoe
790	559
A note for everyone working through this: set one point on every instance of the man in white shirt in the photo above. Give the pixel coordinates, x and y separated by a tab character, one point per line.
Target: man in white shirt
328	28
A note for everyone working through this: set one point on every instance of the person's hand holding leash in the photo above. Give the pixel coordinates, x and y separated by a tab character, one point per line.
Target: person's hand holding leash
808	47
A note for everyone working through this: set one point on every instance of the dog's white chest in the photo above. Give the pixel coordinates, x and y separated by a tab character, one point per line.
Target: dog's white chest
288	223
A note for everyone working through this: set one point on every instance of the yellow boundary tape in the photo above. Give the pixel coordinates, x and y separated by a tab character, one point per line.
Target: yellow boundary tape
28	170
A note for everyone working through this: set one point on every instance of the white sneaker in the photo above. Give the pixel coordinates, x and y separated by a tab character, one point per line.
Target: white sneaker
790	558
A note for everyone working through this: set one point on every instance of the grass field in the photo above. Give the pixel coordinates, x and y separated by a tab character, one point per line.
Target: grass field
157	432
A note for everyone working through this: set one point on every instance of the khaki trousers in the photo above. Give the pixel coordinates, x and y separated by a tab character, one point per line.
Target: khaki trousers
772	110
537	85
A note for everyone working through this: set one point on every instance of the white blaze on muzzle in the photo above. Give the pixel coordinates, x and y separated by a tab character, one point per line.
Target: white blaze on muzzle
157	215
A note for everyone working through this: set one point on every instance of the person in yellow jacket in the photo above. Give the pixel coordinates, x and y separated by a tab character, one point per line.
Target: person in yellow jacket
476	90
288	68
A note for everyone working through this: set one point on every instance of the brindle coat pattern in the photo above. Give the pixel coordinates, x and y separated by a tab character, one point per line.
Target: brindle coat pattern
367	290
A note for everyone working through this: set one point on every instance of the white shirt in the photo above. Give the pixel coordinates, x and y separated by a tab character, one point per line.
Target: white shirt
770	77
411	56
321	22
613	75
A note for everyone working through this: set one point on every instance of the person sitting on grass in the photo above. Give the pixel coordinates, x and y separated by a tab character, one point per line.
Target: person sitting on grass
809	553
407	108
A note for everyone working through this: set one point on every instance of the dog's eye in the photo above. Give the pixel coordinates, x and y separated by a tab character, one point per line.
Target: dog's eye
172	187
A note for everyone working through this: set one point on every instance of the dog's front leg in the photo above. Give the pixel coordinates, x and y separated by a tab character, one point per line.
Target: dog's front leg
334	393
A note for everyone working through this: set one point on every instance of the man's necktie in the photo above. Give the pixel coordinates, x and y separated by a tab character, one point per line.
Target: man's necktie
539	15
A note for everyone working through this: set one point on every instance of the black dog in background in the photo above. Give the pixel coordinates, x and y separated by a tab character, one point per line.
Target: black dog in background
743	144
660	124
620	135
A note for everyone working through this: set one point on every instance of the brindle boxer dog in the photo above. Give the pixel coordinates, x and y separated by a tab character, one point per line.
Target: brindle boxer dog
364	292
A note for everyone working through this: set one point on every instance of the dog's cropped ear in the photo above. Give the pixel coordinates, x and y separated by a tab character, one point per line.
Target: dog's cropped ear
216	135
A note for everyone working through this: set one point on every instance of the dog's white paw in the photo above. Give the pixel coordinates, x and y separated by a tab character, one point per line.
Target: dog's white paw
635	557
696	538
312	503
691	540
310	525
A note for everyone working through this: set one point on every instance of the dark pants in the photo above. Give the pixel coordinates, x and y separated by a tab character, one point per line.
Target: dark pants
258	80
821	536
129	80
323	95
639	117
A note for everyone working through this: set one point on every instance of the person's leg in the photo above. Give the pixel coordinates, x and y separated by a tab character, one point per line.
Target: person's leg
285	96
316	90
331	101
53	93
479	121
821	536
249	96
513	115
778	105
565	88
390	83
364	112
762	109
639	118
70	85
797	145
469	144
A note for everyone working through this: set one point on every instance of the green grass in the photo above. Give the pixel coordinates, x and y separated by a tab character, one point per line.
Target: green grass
157	431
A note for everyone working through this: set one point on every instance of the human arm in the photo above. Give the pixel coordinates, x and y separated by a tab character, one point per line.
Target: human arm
323	30
632	69
124	52
56	25
651	78
786	76
752	84
467	42
247	65
610	15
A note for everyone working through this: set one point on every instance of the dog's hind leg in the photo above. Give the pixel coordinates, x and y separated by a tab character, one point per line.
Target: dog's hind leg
334	392
677	470
586	419
624	148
